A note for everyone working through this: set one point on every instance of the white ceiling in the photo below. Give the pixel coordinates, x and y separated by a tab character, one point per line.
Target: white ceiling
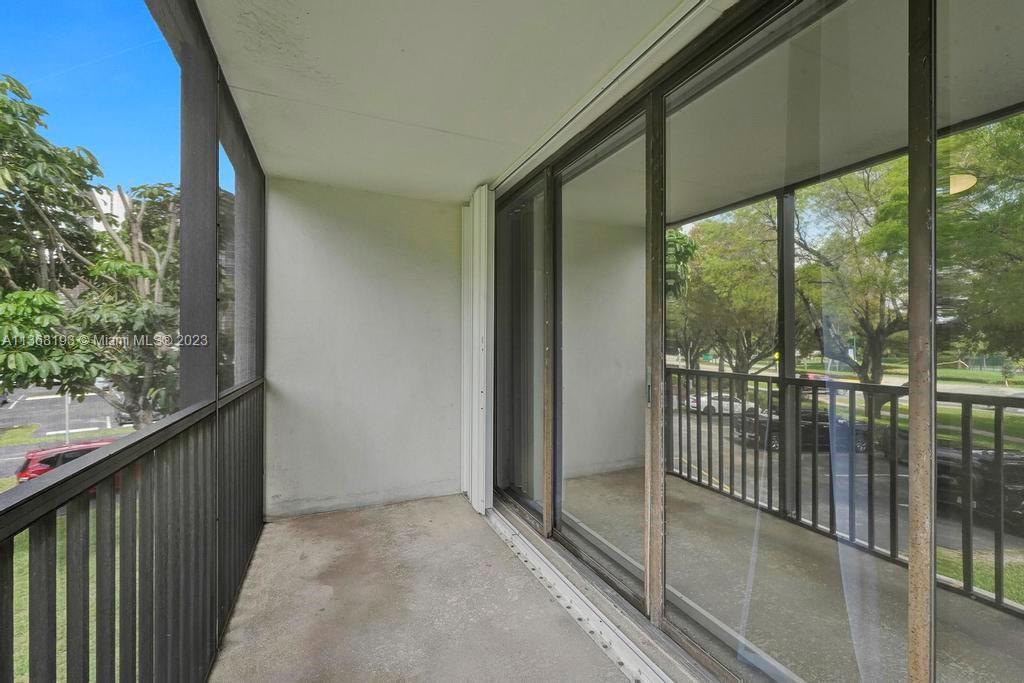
832	96
422	99
835	95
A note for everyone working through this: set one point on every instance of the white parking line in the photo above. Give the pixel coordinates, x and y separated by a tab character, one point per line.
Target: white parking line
48	396
15	402
73	431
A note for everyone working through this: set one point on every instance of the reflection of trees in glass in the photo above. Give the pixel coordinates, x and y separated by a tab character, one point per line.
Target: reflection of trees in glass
225	288
980	241
722	294
77	259
851	266
689	341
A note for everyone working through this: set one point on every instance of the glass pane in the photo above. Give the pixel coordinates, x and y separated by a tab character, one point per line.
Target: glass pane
603	372
519	348
89	212
979	456
225	270
89	270
721	309
784	485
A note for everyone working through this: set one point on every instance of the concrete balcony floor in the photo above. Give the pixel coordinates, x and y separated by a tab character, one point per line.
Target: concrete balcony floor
423	590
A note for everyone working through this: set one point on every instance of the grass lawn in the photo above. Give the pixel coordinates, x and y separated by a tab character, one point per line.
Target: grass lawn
21	597
949	563
23	435
944	374
948	418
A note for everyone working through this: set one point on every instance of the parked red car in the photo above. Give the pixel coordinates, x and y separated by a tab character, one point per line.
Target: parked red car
38	463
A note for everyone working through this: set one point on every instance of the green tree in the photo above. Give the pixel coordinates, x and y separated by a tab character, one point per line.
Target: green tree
45	231
738	264
73	268
851	271
980	239
728	302
681	301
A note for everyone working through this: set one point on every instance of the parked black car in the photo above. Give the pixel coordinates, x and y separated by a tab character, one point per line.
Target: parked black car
984	483
770	431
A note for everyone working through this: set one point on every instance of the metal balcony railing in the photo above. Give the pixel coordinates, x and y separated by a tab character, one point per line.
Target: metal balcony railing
136	551
830	456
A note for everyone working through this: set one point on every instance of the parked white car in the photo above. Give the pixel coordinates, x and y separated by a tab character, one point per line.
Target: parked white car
718	402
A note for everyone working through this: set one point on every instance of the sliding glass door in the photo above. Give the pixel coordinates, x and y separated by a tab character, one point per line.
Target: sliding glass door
602	388
836	386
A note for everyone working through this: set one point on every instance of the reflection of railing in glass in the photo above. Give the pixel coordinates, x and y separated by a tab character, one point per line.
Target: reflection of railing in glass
726	432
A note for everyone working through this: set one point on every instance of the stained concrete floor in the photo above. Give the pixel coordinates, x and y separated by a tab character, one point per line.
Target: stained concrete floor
826	611
423	590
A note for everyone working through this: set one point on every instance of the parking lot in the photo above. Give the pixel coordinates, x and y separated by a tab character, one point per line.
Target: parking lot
54	420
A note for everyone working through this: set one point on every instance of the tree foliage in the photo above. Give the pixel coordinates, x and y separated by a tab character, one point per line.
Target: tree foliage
727	298
851	272
980	240
81	265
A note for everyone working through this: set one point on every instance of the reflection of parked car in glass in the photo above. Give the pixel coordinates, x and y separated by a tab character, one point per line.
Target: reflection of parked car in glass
770	431
984	483
723	403
39	462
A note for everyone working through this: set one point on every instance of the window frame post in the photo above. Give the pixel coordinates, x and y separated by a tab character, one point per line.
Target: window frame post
922	130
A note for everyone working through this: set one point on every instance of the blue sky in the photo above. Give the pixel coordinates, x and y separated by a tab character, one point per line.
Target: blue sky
109	81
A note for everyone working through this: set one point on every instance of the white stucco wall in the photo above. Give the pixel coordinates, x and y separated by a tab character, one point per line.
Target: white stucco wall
363	344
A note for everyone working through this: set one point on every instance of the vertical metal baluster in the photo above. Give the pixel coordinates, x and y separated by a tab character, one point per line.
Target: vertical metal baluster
689	437
42	598
231	446
757	443
894	482
851	464
743	440
127	573
683	406
711	439
176	579
768	446
161	561
7	610
1000	512
869	406
189	647
721	439
216	483
832	455
239	468
199	460
105	580
76	544
798	453
967	494
732	439
223	486
815	431
669	419
781	456
147	531
700	451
